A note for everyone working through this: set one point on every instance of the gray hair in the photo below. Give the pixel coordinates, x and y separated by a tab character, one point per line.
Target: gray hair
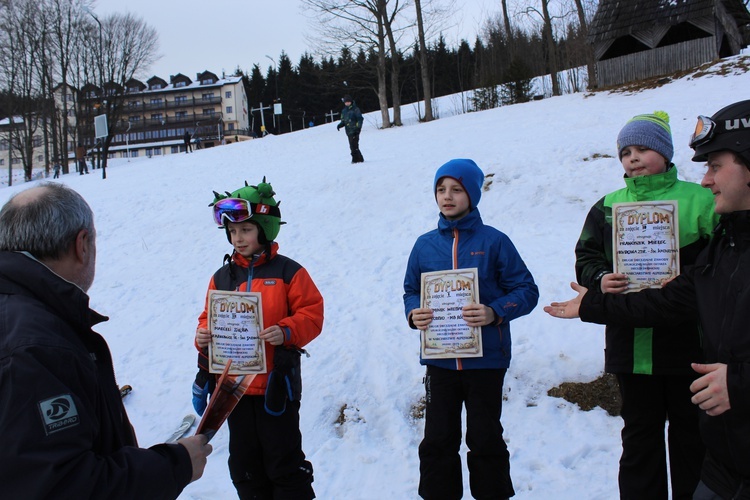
47	225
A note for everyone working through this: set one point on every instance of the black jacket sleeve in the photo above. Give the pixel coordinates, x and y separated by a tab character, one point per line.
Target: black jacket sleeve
81	448
594	248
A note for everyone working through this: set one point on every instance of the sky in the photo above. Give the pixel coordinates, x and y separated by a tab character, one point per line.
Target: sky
353	227
195	36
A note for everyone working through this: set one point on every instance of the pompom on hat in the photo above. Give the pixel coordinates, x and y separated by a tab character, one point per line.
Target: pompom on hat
651	131
465	172
264	209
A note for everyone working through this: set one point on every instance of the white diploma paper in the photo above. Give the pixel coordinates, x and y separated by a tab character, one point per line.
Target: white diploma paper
235	319
446	293
646	242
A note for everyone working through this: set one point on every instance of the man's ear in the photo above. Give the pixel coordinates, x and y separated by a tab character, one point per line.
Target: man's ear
82	246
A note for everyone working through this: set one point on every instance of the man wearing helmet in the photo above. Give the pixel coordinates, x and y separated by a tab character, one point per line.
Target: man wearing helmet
716	292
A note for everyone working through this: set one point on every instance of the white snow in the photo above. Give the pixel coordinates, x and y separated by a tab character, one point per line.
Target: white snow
352	227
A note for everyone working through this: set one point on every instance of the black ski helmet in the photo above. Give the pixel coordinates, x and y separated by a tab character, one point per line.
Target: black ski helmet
727	130
347	98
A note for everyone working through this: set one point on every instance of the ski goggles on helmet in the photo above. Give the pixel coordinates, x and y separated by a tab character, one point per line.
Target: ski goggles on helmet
233	210
704	131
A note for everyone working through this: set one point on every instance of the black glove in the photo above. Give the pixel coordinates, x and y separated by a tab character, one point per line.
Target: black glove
285	380
338	127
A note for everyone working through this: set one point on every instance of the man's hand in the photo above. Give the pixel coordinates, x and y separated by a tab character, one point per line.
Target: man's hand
198	449
202	337
274	335
710	390
421	317
478	315
614	283
568	309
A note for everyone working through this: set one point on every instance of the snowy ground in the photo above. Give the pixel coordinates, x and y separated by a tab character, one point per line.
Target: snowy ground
353	227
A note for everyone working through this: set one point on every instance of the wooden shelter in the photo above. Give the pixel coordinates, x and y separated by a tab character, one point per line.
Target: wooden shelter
638	39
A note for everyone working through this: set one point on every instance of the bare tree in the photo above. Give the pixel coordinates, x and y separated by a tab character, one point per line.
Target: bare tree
23	34
424	69
548	33
64	41
358	23
122	45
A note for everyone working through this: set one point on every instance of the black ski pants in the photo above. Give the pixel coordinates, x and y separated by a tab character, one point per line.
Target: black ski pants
648	401
266	461
488	460
354	148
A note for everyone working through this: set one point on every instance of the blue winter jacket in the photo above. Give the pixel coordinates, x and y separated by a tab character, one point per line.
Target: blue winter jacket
505	284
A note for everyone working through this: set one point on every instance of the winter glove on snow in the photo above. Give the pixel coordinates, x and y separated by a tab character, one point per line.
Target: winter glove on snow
338	127
204	385
285	380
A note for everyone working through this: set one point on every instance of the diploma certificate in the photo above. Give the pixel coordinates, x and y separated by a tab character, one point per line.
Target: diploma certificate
446	293
646	242
235	319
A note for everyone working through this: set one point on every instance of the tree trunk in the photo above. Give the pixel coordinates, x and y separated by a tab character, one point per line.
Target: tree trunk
425	70
590	59
553	67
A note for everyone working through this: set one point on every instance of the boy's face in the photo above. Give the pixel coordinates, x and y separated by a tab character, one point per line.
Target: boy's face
452	199
639	161
727	180
244	238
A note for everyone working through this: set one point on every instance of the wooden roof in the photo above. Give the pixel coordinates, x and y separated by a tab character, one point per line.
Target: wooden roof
617	18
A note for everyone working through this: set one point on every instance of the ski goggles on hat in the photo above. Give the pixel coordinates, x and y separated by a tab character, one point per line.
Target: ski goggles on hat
704	131
233	210
239	210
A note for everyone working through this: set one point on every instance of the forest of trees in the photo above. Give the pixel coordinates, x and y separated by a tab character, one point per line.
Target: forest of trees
382	52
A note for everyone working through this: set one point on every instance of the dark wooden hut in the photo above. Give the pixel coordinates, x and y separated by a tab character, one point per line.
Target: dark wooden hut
637	39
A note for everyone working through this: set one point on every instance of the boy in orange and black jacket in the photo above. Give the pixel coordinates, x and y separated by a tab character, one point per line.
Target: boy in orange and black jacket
265	443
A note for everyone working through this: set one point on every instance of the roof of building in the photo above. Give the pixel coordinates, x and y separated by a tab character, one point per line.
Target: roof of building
616	18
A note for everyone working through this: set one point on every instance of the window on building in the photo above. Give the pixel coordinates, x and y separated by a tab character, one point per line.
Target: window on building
180	114
156	100
157	117
230	126
229	109
40	158
208	96
134	153
133	89
174	150
155	86
15	161
228	94
2	161
4	145
208	112
134	104
207	81
180	84
180	99
134	119
37	141
157	151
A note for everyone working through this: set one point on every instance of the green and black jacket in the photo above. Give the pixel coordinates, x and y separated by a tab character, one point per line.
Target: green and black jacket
651	351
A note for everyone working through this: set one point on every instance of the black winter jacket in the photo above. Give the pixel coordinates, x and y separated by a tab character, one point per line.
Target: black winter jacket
351	118
65	431
717	292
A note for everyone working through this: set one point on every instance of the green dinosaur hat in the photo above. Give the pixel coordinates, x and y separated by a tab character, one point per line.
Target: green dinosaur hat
262	209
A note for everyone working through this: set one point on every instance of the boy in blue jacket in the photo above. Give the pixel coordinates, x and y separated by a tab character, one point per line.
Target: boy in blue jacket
506	291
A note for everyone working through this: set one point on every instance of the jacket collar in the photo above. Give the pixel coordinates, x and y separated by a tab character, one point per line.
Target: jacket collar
257	261
469	222
651	185
22	274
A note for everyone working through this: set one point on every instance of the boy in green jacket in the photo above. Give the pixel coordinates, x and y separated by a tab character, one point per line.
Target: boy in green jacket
653	370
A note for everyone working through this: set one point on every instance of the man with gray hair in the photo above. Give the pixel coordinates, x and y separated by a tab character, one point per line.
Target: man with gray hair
65	430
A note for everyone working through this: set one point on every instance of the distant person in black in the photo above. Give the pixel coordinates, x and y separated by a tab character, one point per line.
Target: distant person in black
351	118
188	146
